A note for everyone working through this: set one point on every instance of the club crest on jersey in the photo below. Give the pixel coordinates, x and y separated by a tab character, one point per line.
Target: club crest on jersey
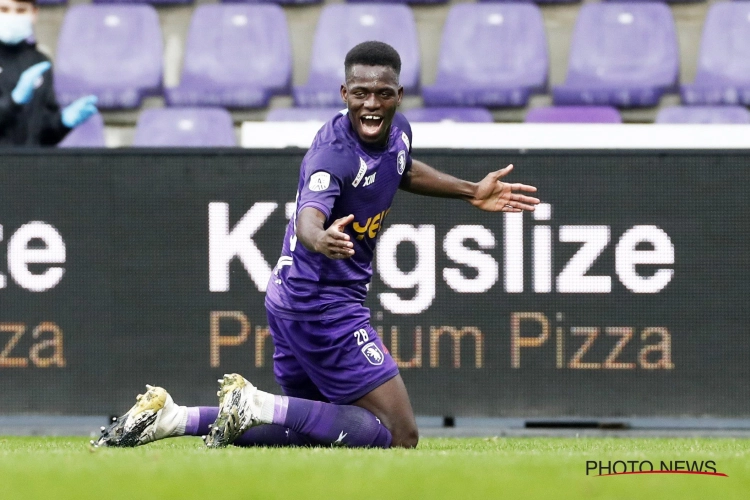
361	173
319	181
405	138
401	164
373	354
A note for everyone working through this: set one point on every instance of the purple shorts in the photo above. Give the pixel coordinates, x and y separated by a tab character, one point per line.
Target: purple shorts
337	360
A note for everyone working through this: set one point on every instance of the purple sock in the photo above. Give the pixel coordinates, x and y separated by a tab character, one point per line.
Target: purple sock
328	423
199	418
273	435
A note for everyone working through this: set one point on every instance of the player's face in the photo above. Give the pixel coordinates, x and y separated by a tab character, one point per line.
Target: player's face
372	94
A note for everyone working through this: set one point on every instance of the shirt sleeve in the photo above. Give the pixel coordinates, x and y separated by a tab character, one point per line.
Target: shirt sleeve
51	128
8	109
403	125
324	174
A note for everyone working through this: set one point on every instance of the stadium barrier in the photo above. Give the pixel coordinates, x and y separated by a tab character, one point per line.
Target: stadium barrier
625	294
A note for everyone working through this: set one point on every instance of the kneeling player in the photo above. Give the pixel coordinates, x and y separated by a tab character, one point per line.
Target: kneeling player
341	386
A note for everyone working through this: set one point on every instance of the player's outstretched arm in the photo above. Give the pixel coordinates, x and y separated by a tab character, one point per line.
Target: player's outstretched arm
333	242
490	194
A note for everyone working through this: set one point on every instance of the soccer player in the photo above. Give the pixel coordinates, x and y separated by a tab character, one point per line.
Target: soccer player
340	384
29	113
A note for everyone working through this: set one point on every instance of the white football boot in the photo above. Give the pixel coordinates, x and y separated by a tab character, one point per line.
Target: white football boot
240	406
154	416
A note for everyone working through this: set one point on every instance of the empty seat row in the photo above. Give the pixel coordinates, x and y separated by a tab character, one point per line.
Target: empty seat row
491	55
297	2
212	127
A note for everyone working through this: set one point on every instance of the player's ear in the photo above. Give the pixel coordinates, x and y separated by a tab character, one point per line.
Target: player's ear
343	92
400	95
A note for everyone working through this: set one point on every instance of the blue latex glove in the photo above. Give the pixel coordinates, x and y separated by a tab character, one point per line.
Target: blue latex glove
25	86
79	111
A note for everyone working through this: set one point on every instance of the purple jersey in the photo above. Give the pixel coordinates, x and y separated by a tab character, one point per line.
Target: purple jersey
339	176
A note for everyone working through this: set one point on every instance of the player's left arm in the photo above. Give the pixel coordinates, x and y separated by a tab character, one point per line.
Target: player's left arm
490	194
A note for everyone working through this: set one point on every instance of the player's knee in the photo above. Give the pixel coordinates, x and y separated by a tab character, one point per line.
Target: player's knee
405	437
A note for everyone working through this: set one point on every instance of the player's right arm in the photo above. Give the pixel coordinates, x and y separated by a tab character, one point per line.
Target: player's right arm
332	242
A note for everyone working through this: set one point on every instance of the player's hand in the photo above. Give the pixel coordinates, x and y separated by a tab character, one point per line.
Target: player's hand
79	111
494	195
27	83
334	242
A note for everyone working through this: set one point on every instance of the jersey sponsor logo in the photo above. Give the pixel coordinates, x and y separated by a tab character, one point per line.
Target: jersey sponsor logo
405	138
371	227
401	162
370	179
373	354
319	181
361	173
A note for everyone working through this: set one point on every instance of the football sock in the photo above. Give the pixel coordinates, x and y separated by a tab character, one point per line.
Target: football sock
273	435
301	422
200	417
326	423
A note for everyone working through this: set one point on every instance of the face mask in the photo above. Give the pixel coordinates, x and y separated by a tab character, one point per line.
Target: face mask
15	28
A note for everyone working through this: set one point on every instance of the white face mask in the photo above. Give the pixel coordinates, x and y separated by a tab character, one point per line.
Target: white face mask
15	28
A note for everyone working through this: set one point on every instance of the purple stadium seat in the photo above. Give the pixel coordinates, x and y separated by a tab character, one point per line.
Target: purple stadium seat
704	114
236	56
153	2
400	1
112	51
303	114
574	114
185	127
491	54
723	75
89	134
534	1
280	2
622	54
475	115
341	27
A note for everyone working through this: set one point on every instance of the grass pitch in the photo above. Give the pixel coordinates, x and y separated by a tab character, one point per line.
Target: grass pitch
509	468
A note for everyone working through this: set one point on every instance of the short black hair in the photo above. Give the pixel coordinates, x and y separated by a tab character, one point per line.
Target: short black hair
373	53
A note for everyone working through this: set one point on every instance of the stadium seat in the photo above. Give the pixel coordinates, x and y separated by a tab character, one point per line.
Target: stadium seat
400	1
454	114
622	54
491	54
280	2
534	1
342	26
89	134
153	2
112	51
703	114
236	56
302	114
185	127
574	114
723	74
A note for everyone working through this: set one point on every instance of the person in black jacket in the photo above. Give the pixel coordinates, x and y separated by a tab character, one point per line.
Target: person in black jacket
29	112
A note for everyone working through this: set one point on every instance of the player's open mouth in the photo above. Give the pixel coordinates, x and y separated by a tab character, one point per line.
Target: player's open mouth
371	124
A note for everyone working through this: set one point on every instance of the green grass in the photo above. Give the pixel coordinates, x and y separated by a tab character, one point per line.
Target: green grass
512	468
